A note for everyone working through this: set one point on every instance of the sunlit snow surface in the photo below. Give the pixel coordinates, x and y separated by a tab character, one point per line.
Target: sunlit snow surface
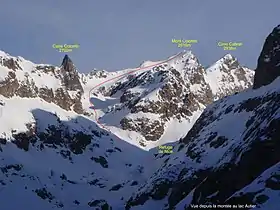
185	63
44	168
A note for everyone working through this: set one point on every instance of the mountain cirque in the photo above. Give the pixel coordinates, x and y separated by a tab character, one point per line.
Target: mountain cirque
55	155
172	92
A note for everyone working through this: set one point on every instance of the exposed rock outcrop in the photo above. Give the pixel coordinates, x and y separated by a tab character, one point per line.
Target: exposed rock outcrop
268	68
67	96
175	90
70	76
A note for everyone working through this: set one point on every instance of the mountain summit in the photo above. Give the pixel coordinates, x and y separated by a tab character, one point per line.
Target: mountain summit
68	65
71	78
66	60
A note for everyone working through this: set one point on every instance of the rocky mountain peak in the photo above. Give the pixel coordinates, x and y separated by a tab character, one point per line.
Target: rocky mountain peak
68	65
98	73
227	62
10	62
268	68
227	76
228	56
189	59
60	85
71	79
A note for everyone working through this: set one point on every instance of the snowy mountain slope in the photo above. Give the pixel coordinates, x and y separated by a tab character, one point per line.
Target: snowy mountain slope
96	81
129	104
54	153
173	93
59	85
229	157
60	159
55	157
226	76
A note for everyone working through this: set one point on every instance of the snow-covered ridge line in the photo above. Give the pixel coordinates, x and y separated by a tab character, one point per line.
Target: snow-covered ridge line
124	75
180	75
173	92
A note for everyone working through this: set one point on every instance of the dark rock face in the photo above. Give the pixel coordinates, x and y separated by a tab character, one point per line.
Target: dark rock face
46	69
70	78
151	130
44	194
79	142
10	64
62	98
9	86
27	88
98	74
102	204
71	81
46	94
268	68
101	160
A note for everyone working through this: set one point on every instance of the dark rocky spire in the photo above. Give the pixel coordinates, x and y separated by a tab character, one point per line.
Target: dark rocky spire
66	59
67	64
70	79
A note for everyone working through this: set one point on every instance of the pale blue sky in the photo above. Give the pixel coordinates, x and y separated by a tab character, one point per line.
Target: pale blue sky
121	34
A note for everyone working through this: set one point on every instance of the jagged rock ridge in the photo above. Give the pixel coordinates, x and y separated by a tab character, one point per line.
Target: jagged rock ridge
71	79
58	85
230	157
174	91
